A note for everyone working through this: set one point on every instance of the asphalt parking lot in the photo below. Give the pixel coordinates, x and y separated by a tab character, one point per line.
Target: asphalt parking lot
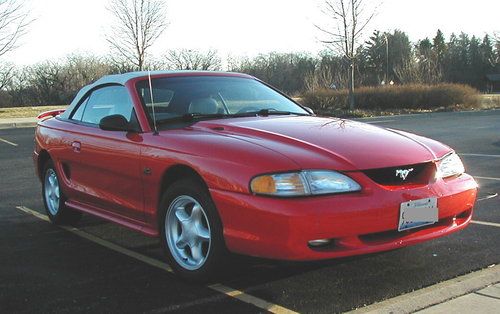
101	267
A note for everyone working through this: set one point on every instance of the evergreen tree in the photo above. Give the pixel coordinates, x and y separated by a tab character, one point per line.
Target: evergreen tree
439	47
428	62
386	52
456	61
424	49
475	73
375	56
488	57
487	53
400	50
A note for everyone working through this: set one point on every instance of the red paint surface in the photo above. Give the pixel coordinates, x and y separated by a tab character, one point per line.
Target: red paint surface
105	177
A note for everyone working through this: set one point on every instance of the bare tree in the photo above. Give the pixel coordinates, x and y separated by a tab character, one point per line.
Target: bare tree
7	72
326	77
185	59
423	71
497	45
138	24
347	19
14	23
496	36
409	72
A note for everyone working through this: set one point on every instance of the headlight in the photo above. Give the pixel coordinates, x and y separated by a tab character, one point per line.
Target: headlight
450	165
303	183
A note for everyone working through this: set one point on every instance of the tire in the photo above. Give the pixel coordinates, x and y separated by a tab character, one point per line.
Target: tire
54	199
191	231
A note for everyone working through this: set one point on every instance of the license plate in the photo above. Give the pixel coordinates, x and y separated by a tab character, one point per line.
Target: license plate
418	213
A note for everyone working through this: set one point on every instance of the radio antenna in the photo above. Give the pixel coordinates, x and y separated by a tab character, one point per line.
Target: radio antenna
152	103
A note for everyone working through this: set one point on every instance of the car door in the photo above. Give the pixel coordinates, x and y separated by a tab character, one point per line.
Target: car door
104	166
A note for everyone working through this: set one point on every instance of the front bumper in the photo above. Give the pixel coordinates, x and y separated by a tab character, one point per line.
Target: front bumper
357	223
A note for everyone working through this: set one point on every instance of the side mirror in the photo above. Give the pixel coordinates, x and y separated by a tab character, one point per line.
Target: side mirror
115	122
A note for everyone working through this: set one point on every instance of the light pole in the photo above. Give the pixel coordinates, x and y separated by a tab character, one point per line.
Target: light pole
386	58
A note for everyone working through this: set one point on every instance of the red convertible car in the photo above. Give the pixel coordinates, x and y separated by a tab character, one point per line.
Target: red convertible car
214	162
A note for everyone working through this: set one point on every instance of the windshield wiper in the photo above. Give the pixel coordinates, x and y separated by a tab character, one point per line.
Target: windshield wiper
267	112
188	117
202	116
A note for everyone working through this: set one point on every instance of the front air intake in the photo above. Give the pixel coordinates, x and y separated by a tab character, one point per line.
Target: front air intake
403	175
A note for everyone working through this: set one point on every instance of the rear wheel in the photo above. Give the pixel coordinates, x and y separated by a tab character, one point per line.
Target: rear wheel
191	231
54	198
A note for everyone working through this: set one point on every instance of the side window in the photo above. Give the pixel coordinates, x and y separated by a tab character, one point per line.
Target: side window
107	101
78	114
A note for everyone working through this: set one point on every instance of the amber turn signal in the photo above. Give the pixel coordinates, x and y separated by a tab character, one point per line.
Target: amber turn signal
263	185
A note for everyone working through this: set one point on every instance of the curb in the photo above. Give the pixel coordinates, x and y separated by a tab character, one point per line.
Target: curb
17	125
425	113
435	294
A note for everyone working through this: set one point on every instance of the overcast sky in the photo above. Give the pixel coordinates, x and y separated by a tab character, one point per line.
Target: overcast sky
235	27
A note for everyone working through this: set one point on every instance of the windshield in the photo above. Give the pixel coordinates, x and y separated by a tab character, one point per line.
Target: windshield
212	96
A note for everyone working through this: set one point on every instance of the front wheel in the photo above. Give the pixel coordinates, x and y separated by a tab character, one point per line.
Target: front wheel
191	231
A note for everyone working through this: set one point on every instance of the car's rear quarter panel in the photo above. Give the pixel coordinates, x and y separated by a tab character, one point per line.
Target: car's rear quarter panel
50	137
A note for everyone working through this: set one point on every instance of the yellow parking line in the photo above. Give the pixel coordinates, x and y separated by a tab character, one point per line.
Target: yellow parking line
242	296
102	242
8	142
237	294
490	196
378	121
479	155
485	223
487	178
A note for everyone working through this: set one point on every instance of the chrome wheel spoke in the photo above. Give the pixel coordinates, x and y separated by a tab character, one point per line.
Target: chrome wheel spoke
203	234
51	180
196	214
197	252
181	243
180	214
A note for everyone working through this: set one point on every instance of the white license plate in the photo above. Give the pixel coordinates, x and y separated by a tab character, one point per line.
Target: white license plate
418	213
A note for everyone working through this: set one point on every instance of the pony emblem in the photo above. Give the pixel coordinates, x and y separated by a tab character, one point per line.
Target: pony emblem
403	173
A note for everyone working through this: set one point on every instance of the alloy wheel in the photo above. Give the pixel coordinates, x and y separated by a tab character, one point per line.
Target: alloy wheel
187	232
51	190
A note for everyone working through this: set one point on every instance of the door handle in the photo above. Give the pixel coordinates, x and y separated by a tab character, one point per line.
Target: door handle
77	146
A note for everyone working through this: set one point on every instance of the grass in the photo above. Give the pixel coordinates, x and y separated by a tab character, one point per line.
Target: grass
490	101
25	112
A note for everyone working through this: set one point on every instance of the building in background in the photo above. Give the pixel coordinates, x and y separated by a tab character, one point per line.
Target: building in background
493	83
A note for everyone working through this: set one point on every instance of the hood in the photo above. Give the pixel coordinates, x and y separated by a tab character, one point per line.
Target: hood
314	142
